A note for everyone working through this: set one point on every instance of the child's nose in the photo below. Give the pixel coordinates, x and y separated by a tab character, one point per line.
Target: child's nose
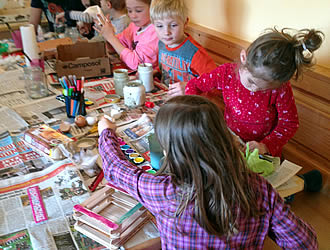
167	30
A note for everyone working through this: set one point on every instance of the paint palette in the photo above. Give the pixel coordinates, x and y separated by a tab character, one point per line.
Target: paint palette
135	157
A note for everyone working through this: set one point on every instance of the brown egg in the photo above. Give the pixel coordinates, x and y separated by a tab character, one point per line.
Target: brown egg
80	121
65	127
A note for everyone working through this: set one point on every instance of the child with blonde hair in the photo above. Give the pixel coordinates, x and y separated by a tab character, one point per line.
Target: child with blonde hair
203	197
180	57
138	43
259	103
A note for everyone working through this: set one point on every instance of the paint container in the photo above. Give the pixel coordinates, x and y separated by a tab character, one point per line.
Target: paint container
146	76
146	167
125	147
151	171
132	156
138	160
134	94
122	143
120	78
129	151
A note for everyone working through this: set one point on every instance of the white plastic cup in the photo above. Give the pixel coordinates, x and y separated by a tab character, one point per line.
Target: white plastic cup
120	78
134	94
146	76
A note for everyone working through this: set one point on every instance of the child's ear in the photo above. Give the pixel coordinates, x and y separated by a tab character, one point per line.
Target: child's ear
243	56
186	22
109	5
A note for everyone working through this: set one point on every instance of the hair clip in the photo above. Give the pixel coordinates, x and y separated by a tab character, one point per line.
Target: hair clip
306	52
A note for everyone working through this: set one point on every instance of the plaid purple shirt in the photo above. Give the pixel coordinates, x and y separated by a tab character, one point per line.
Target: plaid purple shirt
158	195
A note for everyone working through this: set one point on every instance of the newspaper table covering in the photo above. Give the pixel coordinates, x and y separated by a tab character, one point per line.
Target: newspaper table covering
17	159
61	188
12	89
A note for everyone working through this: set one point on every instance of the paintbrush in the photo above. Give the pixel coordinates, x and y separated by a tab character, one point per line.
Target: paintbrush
26	56
141	59
9	28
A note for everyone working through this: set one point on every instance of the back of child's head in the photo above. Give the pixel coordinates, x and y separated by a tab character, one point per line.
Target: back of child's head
204	163
161	9
279	55
118	4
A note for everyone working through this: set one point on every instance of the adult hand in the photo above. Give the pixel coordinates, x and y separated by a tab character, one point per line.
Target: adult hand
104	27
60	18
176	89
260	146
105	123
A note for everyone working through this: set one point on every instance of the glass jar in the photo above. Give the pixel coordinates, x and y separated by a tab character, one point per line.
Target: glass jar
134	94
120	78
35	82
72	32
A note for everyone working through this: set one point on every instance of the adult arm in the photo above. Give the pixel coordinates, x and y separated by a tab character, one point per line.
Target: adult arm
287	124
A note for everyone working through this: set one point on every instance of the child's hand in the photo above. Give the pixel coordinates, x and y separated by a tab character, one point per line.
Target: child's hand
104	27
260	146
176	89
105	123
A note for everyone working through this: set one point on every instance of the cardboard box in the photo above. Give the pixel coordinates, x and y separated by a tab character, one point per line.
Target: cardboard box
48	48
83	59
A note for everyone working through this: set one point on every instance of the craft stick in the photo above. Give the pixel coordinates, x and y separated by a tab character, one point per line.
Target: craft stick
129	213
96	199
97	217
103	205
93	234
127	234
117	188
90	221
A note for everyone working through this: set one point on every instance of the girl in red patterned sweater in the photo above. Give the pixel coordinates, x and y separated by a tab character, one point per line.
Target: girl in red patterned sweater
259	103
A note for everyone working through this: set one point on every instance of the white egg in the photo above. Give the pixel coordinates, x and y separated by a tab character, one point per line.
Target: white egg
91	120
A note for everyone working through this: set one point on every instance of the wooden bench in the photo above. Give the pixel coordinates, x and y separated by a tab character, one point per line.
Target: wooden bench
310	147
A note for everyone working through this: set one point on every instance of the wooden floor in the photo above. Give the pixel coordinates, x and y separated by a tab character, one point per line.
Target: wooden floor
313	208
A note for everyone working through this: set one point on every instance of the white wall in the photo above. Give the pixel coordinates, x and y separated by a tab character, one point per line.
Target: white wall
246	19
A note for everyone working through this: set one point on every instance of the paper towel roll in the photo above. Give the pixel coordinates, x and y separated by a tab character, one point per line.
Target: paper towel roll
29	41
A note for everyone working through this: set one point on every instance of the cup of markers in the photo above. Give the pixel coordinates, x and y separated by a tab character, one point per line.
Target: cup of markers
73	93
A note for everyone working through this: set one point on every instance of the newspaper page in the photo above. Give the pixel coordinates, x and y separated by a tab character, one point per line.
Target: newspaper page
61	188
11	121
136	133
283	173
12	89
46	110
18	159
95	91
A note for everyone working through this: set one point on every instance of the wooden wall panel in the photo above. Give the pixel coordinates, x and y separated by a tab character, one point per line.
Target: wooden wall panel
310	147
